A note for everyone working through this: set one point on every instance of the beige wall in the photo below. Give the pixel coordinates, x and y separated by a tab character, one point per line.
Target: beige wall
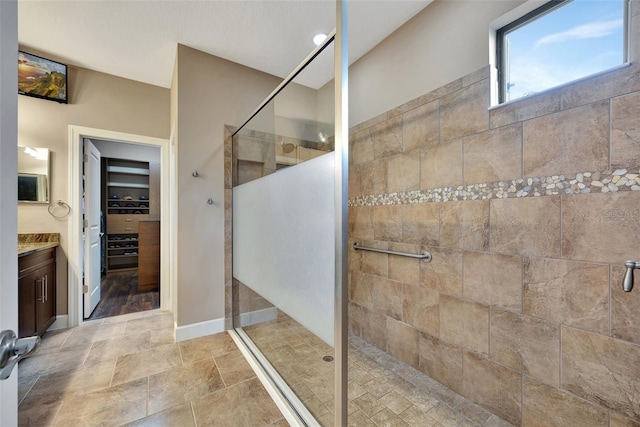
445	41
211	92
530	210
97	100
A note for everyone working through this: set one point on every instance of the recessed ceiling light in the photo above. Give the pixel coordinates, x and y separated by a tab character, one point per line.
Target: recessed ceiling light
319	38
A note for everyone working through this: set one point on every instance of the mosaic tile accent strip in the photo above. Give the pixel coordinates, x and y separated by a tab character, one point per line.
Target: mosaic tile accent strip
580	183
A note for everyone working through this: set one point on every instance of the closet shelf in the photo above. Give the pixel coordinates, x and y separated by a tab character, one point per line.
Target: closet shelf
128	170
127	185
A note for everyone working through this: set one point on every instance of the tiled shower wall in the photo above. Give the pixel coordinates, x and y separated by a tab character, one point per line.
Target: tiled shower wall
530	210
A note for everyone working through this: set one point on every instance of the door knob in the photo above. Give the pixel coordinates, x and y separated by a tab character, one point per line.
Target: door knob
12	350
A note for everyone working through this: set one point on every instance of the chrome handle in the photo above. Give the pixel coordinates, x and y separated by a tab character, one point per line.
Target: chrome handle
128	219
12	350
46	287
128	228
627	282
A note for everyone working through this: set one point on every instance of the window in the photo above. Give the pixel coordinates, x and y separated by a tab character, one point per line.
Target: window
559	42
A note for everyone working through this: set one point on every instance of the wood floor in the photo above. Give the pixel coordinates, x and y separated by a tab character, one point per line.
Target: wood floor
119	295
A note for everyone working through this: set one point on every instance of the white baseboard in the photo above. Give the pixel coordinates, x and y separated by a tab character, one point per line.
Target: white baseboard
62	322
258	316
197	330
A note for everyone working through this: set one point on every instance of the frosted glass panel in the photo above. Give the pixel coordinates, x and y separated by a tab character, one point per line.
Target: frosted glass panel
283	241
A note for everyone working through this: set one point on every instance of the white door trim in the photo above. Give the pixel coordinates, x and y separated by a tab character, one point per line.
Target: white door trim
76	134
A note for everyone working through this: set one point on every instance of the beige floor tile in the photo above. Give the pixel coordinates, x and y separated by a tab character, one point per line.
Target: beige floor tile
386	418
67	385
145	363
87	334
368	404
182	384
53	340
206	347
24	386
38	415
234	368
161	337
161	320
395	402
244	404
62	360
115	347
177	416
417	417
109	407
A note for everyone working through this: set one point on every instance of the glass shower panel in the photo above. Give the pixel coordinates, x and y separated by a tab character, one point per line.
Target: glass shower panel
283	234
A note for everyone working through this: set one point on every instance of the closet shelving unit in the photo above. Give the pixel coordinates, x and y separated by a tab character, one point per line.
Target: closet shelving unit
127	192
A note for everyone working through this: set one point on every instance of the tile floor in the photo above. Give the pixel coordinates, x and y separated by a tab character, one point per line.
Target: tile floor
128	370
382	390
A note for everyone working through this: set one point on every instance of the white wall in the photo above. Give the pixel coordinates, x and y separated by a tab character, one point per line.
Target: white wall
283	241
119	150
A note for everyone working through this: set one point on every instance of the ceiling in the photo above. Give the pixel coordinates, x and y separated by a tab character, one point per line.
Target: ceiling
137	39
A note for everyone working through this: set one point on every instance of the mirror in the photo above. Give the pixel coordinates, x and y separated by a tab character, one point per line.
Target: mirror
33	174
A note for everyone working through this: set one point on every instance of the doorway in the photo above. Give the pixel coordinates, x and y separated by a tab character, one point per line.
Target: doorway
129	220
78	273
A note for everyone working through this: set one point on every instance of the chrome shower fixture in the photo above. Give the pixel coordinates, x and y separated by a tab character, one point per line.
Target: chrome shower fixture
287	147
627	283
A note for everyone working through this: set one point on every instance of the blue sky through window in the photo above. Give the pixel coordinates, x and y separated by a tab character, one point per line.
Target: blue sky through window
573	41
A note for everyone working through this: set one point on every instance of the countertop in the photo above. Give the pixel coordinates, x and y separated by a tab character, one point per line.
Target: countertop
30	243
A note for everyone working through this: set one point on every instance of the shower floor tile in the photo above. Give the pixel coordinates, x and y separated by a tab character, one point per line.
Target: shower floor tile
382	390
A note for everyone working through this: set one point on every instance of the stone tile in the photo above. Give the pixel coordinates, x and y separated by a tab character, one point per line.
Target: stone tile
116	347
526	108
179	415
465	225
234	368
373	177
572	293
361	147
387	137
164	320
476	414
526	344
407	106
361	222
420	309
421	126
526	226
355	181
403	342
403	172
386	417
617	420
244	404
374	262
24	386
495	155
368	404
387	223
395	402
206	347
415	417
63	360
624	307
547	406
145	363
38	415
387	297
85	335
369	123
602	370
441	361
444	272
374	328
361	290
495	421
600	227
493	279
445	416
608	85
441	165
176	386
625	131
575	140
69	385
54	340
441	91
404	269
494	387
465	111
112	406
421	223
464	323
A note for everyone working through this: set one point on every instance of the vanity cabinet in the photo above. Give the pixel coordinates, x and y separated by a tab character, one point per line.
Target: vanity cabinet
36	292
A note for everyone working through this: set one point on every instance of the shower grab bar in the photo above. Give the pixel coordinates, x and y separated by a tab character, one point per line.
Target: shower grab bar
425	255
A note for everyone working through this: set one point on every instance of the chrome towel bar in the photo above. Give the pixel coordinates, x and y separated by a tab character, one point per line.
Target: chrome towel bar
425	255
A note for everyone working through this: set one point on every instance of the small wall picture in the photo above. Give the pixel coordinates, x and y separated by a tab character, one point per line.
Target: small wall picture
42	78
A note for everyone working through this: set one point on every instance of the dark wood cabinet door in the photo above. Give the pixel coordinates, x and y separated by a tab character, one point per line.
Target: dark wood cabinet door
46	306
27	288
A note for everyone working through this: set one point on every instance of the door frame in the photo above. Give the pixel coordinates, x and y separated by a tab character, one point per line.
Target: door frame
75	253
